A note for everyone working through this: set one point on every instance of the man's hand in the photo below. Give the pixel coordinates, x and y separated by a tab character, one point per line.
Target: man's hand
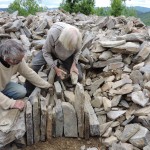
74	68
60	73
19	104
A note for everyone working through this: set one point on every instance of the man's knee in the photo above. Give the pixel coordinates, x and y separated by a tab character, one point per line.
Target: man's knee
21	92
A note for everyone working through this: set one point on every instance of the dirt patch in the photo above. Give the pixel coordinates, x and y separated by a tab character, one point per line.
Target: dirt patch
66	144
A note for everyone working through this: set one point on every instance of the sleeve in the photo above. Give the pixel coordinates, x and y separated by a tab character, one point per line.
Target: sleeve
32	76
6	102
48	48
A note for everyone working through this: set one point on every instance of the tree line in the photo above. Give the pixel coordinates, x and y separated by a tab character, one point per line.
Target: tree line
87	7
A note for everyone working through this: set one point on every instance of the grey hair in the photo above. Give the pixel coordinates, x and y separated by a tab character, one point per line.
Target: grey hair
11	49
71	38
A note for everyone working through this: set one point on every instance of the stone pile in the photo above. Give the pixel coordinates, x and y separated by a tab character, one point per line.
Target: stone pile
112	101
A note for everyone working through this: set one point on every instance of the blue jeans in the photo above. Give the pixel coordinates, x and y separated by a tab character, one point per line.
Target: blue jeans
14	90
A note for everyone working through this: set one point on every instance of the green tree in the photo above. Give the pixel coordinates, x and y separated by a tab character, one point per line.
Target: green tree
84	6
117	6
100	11
129	11
25	7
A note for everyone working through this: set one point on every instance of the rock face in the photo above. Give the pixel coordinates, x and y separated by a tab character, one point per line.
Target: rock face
112	101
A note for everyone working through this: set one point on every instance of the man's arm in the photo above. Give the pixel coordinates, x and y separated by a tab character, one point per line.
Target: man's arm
48	48
32	76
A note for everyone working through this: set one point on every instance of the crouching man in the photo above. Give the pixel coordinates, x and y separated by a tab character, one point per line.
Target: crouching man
12	61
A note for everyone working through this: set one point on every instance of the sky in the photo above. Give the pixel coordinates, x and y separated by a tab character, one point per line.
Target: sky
98	3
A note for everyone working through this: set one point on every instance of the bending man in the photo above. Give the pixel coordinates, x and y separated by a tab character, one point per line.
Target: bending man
12	61
63	42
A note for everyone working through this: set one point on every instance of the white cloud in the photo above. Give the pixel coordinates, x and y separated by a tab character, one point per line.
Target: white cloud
102	3
142	3
3	5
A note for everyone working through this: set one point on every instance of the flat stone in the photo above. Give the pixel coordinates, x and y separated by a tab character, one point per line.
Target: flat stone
17	131
147	85
107	133
104	127
115	114
121	146
143	111
110	140
97	102
95	85
110	44
141	138
146	147
128	132
115	66
115	101
105	55
128	120
137	77
70	120
138	97
101	119
107	86
133	37
122	82
143	53
101	64
8	119
106	104
127	48
69	97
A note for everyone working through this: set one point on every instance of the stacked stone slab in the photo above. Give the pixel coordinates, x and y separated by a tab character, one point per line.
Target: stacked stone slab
112	101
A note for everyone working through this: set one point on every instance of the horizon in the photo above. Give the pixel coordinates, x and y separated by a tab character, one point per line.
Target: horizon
96	6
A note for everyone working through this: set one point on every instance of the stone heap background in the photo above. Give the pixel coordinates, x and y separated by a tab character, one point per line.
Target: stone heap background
112	101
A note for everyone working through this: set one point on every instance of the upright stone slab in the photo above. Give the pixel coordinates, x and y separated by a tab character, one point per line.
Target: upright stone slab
54	122
51	76
49	123
29	124
79	107
43	118
87	125
93	120
59	119
70	120
58	89
36	119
